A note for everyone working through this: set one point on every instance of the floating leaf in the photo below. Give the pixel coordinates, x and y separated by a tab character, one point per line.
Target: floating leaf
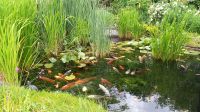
70	77
49	65
81	55
52	60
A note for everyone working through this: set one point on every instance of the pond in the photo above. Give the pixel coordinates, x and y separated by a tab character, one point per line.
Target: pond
149	86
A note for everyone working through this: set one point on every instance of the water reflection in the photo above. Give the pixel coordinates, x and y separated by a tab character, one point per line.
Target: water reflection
132	103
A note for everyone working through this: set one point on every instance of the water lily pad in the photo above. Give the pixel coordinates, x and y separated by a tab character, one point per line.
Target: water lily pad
52	60
48	65
70	77
81	55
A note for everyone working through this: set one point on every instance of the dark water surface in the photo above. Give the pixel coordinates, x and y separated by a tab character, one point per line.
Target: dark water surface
156	86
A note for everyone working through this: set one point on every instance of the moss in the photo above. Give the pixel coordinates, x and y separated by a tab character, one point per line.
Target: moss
17	99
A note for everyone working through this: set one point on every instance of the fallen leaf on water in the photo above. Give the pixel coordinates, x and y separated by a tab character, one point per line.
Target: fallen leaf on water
47	79
106	82
70	77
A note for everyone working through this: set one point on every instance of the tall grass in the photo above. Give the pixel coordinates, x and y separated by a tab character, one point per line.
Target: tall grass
168	44
10	51
17	37
23	10
100	42
54	20
129	24
87	10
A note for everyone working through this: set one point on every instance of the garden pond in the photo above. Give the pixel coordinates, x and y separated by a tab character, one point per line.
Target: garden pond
135	82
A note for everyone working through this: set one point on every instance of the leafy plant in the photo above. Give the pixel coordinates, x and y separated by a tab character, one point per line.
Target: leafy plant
168	44
129	24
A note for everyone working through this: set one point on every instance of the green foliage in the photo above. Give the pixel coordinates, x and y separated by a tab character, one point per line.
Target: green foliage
16	99
168	44
129	24
80	32
141	5
17	37
91	18
53	18
100	42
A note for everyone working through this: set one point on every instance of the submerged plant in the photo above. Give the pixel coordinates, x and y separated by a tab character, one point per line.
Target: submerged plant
168	44
129	24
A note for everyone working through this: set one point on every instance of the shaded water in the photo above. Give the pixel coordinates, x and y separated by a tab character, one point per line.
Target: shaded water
156	86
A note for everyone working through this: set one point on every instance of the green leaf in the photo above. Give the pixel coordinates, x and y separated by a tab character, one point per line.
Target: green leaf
52	60
48	65
70	77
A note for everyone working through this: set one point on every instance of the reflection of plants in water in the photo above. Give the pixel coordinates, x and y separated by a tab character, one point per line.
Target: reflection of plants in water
174	88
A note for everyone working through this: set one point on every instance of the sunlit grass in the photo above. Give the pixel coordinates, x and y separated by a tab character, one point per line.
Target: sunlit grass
16	99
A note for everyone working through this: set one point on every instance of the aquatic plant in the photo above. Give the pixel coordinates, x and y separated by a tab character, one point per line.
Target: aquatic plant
23	10
168	44
54	20
129	24
80	32
10	51
88	11
18	37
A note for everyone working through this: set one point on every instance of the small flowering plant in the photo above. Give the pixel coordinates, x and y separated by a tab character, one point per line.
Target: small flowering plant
158	10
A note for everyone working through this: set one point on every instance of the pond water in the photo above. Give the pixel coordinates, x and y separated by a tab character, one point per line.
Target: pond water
155	86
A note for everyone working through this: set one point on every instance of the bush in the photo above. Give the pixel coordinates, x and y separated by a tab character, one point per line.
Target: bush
129	24
168	44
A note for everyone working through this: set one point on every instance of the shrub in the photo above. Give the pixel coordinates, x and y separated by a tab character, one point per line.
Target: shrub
168	44
129	24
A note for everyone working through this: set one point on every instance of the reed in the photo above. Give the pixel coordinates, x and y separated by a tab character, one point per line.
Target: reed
89	12
54	21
